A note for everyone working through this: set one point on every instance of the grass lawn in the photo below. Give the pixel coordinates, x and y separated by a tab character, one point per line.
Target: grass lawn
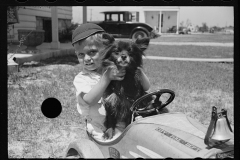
198	86
190	51
220	38
30	133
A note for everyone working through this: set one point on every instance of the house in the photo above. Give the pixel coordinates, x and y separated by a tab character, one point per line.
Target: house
229	30
40	18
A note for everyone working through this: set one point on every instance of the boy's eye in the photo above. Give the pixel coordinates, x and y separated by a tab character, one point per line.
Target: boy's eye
80	55
92	53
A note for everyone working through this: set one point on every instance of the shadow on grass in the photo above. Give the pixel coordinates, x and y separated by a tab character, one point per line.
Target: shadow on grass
67	60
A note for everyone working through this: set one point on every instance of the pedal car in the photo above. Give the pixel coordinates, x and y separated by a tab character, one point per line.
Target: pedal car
154	135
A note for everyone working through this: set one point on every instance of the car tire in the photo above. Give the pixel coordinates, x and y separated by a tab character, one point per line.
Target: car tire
139	34
83	148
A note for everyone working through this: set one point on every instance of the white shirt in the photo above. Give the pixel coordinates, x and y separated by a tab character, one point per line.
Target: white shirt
95	114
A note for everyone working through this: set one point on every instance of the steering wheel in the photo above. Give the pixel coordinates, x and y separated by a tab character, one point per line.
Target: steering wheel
156	105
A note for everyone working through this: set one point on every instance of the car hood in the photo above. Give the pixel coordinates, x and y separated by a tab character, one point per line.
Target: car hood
139	23
180	134
96	22
178	121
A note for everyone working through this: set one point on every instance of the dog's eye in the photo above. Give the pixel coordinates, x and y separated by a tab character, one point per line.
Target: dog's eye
116	53
129	49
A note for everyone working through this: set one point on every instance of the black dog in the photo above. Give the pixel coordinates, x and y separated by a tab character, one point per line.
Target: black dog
120	95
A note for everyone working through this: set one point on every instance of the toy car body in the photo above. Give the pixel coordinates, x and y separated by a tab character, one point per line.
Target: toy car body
174	135
120	25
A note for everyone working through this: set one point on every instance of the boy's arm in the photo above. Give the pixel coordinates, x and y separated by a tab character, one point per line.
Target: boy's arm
94	95
144	80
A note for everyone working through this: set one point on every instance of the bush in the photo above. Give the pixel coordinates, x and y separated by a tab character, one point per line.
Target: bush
65	35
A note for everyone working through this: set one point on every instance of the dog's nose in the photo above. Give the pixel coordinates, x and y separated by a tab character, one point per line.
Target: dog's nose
124	57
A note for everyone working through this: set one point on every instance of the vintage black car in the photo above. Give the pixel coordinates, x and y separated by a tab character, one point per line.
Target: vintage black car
181	30
120	25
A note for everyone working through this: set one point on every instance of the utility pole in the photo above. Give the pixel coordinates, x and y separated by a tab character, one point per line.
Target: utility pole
84	14
91	15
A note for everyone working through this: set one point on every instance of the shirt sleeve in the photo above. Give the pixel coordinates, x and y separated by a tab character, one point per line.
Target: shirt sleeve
82	87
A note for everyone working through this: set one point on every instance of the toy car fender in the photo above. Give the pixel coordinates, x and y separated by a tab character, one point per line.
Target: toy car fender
83	148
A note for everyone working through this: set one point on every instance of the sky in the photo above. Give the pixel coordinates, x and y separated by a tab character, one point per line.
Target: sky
214	16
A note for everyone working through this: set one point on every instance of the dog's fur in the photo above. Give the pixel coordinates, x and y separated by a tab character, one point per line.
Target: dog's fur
120	95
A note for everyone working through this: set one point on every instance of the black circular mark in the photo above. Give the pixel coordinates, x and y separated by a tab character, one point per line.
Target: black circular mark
80	1
51	108
21	1
50	1
109	1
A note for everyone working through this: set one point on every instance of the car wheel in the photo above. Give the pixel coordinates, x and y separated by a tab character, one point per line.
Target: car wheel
83	148
139	34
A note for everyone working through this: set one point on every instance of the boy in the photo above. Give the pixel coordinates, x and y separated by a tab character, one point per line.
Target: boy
89	40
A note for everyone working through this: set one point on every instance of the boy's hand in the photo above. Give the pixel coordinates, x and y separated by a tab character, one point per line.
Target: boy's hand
144	79
112	73
140	69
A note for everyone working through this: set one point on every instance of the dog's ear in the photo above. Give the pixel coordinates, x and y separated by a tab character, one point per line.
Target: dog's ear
107	39
142	43
105	53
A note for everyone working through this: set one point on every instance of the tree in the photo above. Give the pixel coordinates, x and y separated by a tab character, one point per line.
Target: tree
204	27
188	22
181	24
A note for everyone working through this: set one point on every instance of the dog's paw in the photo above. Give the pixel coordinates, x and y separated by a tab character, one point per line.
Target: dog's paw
109	133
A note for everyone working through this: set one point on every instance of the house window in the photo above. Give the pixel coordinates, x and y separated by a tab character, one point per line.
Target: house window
10	32
39	23
63	24
60	24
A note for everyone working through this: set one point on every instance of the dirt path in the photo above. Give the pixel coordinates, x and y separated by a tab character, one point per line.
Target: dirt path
194	43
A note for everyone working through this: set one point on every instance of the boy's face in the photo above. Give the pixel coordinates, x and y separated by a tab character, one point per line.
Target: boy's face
88	55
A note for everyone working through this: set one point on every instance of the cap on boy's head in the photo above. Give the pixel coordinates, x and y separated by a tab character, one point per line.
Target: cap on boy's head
85	30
